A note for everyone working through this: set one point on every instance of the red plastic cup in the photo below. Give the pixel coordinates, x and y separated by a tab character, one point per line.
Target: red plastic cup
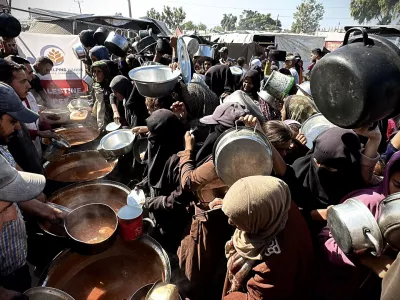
130	221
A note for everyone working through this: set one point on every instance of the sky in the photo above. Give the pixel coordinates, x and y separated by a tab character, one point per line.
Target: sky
209	12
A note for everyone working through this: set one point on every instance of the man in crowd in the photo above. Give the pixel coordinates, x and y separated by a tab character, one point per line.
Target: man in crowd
42	66
9	47
225	59
21	145
207	64
241	61
290	64
16	187
316	55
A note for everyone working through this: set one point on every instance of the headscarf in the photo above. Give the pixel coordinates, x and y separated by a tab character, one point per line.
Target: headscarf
336	148
100	52
254	76
220	79
258	206
104	67
166	139
122	85
199	100
269	112
299	108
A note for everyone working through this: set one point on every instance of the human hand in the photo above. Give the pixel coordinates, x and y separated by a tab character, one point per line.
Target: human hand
10	295
301	138
216	203
42	198
374	134
174	66
189	141
116	117
54	215
179	109
249	121
140	129
48	134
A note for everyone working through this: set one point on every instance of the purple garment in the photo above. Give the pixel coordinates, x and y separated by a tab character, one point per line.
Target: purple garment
335	264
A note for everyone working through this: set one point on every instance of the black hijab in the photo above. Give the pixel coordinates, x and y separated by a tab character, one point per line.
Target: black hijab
220	79
206	149
254	76
166	139
339	149
122	85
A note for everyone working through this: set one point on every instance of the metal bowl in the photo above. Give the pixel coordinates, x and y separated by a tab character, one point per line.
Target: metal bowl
79	51
154	81
77	104
56	116
40	293
119	142
315	126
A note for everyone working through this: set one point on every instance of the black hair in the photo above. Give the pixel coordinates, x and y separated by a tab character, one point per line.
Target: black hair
241	61
285	71
317	51
7	68
44	60
17	59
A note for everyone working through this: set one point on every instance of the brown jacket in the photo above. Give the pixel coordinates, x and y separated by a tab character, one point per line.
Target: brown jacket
287	273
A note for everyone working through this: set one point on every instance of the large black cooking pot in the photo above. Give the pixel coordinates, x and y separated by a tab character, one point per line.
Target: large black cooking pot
10	27
359	83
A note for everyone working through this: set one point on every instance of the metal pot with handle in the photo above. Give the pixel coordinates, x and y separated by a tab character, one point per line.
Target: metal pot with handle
205	51
389	220
359	83
241	152
117	44
354	228
79	51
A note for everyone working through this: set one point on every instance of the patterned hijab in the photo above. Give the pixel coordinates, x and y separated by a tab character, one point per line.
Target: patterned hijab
299	108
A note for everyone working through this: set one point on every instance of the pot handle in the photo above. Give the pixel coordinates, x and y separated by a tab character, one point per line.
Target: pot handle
120	30
374	242
362	30
152	225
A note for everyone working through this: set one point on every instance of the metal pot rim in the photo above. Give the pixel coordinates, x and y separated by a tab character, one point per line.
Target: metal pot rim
132	72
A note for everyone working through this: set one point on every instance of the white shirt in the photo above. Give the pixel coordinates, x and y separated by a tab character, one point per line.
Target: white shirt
34	126
295	75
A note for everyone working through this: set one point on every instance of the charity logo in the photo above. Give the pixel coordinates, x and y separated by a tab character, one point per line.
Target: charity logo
56	54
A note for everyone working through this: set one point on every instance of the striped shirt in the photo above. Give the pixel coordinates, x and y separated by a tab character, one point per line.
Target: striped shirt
13	240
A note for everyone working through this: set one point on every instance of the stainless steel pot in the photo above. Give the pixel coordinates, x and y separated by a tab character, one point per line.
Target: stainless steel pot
315	126
242	152
117	44
154	81
48	293
79	51
354	228
389	220
206	51
192	45
119	142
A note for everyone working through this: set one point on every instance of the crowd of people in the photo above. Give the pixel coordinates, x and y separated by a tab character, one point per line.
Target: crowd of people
264	237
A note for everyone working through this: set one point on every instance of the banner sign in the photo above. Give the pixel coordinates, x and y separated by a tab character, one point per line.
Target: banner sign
64	83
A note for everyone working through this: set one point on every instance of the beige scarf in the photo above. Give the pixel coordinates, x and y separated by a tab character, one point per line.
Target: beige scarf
258	206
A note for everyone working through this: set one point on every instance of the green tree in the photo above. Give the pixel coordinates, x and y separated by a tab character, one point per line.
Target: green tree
307	17
228	22
385	11
253	20
218	28
152	13
189	26
172	17
202	27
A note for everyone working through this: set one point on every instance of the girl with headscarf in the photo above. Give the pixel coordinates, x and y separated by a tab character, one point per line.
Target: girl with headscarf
251	84
334	167
102	110
337	264
220	80
133	109
298	108
99	53
167	202
270	255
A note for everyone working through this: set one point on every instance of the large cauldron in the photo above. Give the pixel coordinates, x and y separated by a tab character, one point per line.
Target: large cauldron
116	273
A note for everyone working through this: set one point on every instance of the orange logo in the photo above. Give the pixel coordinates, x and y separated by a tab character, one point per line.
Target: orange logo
53	52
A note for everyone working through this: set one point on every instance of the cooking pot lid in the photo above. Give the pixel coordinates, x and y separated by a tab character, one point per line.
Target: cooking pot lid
184	61
240	153
313	127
